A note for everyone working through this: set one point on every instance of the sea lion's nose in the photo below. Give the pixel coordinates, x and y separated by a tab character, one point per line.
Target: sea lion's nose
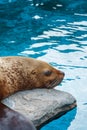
63	73
60	73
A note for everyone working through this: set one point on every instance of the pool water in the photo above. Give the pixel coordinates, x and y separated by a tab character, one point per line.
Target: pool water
55	32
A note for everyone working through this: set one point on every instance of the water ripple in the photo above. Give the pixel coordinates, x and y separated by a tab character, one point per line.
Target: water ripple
53	31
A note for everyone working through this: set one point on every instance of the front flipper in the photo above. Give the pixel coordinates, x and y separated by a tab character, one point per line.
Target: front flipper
12	120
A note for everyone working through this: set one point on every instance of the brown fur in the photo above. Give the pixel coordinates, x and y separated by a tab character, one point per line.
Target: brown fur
21	73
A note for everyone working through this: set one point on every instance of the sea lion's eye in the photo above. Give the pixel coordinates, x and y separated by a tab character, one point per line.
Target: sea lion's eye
47	72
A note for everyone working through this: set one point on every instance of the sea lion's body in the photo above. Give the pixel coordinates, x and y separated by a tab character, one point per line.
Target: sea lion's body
12	120
21	73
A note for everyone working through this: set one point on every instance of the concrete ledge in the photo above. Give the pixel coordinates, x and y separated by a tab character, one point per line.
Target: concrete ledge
41	105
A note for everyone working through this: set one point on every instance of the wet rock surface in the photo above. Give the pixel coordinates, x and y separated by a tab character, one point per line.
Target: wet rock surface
41	105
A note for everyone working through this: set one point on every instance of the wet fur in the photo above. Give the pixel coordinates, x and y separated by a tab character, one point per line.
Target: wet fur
21	73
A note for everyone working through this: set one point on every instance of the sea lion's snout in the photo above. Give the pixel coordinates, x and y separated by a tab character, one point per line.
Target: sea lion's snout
60	73
52	77
60	76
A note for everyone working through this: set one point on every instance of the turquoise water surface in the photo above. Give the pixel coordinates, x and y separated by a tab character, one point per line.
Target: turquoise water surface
55	32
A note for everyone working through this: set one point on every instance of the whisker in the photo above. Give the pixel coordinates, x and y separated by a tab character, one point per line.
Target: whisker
54	83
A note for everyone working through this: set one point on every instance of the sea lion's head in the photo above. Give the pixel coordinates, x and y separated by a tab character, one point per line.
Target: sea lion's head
20	73
46	76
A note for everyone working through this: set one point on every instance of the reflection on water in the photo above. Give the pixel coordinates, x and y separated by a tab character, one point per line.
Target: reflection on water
56	33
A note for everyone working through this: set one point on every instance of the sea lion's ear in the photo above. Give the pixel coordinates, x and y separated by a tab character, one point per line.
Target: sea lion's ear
47	72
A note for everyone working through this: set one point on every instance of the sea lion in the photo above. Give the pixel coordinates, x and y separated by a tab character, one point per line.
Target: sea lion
12	120
22	73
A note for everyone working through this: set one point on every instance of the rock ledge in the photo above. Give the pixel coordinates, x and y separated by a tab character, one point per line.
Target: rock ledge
41	105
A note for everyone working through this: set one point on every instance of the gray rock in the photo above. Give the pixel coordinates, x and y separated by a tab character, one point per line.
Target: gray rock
41	105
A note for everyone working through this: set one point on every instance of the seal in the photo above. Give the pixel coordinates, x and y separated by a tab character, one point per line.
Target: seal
22	73
12	120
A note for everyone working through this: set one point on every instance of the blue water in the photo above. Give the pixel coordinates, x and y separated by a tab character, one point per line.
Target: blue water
55	32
